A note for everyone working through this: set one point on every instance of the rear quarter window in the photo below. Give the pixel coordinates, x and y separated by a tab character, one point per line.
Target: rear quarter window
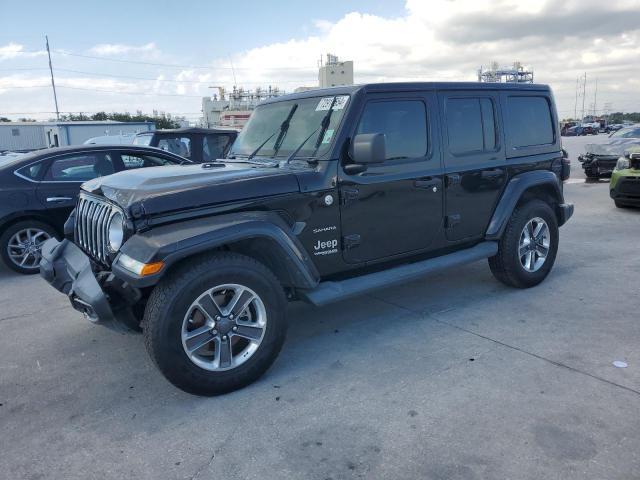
530	121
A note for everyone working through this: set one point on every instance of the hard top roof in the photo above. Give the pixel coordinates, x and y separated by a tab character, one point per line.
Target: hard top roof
190	130
409	87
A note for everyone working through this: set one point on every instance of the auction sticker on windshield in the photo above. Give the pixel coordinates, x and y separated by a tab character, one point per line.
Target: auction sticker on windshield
325	103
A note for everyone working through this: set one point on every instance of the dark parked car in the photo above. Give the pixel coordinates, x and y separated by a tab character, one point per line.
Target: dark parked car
599	160
325	195
574	132
197	144
38	191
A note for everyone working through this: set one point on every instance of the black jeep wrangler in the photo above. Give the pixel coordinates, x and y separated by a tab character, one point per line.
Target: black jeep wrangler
324	195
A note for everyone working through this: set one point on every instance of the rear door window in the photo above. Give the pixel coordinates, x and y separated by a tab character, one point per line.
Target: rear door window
214	146
138	160
80	167
178	145
471	126
530	121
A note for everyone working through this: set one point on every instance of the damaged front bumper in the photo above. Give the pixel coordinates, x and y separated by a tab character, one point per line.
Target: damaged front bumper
598	164
103	298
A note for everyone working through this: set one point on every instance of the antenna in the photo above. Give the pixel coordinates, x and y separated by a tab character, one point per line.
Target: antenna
53	83
233	71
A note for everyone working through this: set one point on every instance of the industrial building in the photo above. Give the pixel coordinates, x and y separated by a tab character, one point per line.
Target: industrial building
515	73
233	109
25	136
335	73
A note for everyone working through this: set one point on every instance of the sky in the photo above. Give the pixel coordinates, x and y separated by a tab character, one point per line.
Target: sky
165	55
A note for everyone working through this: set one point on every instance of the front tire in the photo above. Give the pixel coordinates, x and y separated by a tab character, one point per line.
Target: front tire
528	247
216	323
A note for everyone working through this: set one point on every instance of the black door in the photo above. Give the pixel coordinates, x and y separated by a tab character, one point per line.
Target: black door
474	161
394	207
60	185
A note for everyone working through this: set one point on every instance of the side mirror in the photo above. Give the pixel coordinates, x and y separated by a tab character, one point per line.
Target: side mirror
369	148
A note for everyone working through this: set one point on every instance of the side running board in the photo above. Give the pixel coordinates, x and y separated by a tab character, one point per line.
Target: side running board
328	292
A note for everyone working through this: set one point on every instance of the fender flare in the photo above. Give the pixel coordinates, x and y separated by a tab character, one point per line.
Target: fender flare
174	242
514	190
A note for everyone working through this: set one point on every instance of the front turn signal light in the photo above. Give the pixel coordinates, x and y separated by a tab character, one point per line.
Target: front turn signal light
139	268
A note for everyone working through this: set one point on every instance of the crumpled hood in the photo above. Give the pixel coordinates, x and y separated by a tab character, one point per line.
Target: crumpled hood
612	147
171	188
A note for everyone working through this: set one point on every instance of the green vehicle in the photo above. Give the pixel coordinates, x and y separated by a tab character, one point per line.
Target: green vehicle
625	179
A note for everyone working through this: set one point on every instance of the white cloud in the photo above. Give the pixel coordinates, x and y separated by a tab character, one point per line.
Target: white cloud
15	50
120	49
436	40
442	40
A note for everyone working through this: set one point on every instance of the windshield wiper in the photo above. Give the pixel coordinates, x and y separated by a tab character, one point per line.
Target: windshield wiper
283	130
281	133
255	152
295	152
324	124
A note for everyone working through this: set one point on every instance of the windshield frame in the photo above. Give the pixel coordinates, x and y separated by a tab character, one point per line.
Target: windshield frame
283	154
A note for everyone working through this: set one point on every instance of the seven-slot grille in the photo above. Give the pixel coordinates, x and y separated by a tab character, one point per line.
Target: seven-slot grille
92	226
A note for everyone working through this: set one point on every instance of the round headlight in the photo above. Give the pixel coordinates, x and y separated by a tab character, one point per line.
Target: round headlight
623	163
116	232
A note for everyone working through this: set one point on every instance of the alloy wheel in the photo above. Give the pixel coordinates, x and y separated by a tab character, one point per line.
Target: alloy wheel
533	247
224	327
25	247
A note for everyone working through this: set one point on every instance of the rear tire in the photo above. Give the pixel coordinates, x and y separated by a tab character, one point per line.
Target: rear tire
234	352
519	263
20	245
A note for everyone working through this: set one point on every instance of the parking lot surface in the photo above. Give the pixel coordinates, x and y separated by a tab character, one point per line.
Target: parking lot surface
452	377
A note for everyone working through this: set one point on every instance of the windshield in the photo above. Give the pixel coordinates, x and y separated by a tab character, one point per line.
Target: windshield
627	133
267	120
142	139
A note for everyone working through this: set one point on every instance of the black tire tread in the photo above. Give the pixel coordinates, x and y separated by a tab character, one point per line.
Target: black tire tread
502	265
170	286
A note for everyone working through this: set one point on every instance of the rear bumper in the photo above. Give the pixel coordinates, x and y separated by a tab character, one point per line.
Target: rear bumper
565	211
68	269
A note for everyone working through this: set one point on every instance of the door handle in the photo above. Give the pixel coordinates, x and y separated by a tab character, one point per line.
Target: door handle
58	199
434	182
496	172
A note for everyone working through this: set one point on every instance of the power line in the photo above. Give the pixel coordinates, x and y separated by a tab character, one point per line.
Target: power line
171	65
131	93
99	74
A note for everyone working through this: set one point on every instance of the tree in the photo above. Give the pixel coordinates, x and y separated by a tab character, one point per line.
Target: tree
99	116
162	121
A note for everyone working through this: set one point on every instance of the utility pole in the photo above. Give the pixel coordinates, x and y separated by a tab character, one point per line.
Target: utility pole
595	99
584	92
53	83
575	108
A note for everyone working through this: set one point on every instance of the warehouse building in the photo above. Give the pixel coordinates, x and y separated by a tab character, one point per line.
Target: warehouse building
25	136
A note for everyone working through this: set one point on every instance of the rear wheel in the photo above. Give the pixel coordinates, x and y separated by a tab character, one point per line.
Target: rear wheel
528	247
215	324
21	245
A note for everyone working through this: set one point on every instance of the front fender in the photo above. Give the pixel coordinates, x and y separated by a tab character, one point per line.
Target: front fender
514	190
174	242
